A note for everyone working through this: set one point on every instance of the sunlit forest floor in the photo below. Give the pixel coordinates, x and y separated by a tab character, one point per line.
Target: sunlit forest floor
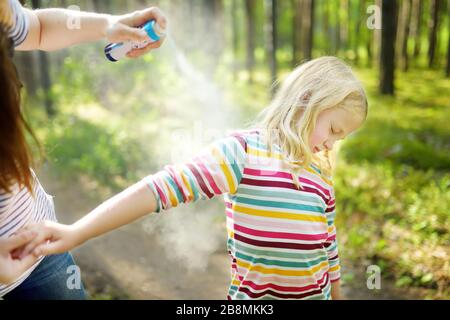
392	182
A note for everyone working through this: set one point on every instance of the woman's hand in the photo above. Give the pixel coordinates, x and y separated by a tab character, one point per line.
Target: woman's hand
51	238
123	28
11	267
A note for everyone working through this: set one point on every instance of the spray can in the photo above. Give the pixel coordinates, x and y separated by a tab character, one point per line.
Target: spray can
116	51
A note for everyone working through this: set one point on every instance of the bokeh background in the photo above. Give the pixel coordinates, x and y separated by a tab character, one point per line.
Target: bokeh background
106	125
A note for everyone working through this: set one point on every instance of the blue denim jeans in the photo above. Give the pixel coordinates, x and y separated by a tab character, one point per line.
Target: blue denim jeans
56	278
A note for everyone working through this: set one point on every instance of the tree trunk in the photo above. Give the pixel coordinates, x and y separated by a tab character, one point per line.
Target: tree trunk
214	40
387	54
403	34
297	31
235	36
371	37
250	14
433	25
359	21
376	44
309	28
416	25
45	80
447	71
271	36
337	46
344	23
326	26
26	66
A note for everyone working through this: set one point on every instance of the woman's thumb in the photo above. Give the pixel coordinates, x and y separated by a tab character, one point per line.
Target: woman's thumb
132	34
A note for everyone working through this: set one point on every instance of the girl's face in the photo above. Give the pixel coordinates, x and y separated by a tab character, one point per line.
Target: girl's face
333	124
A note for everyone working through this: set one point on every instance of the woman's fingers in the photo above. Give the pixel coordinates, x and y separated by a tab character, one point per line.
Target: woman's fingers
16	241
122	32
127	28
27	262
135	53
140	17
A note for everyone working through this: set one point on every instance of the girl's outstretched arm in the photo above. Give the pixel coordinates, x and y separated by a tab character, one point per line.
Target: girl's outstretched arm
124	208
215	171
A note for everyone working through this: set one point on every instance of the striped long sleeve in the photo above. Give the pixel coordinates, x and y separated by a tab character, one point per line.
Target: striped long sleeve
215	171
331	244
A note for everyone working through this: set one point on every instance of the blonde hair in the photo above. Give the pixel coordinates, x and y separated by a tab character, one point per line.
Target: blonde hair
311	88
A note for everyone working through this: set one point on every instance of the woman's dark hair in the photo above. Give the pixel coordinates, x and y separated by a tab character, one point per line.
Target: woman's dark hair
15	154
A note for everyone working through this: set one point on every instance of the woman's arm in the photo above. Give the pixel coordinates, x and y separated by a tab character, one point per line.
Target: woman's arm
53	29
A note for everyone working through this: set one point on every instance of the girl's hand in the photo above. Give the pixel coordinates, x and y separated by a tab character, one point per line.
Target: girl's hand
11	267
336	291
51	238
123	28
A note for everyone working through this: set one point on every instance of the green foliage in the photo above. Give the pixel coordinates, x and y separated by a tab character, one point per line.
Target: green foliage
77	146
393	180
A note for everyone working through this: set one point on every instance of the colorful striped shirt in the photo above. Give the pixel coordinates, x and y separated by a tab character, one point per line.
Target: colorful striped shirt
281	239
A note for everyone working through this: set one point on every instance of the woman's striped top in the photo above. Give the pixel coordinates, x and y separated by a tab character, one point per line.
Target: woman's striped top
19	207
19	31
281	239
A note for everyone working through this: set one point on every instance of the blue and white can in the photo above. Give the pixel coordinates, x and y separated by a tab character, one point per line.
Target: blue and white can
117	51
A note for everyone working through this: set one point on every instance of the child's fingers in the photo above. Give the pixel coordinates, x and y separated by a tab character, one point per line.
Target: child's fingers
43	235
48	249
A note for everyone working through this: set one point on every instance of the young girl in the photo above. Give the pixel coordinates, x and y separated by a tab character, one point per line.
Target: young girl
279	198
22	198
